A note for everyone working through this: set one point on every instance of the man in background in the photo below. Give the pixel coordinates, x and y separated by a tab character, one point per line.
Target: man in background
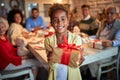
88	24
35	21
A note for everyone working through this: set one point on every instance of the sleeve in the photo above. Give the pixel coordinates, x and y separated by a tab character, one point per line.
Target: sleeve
94	27
14	33
47	46
43	23
28	25
16	60
78	40
116	41
25	30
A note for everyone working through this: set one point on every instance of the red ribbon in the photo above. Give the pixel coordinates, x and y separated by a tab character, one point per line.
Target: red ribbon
49	34
96	40
67	48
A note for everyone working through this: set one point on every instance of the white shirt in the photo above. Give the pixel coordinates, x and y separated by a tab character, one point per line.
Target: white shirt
86	18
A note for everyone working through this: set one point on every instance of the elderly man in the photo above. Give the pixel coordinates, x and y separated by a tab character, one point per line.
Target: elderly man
35	21
109	33
88	24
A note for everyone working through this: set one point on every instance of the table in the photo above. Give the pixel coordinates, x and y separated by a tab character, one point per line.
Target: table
91	55
39	54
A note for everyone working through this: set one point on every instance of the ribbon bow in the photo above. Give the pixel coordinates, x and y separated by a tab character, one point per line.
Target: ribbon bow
67	48
96	40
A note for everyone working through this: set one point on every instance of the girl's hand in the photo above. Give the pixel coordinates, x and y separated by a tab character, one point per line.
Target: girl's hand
81	60
49	56
81	56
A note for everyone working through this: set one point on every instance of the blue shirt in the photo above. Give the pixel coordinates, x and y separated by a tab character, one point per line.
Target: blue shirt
32	23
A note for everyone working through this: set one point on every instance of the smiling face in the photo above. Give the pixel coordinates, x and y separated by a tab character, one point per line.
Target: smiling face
85	11
111	14
35	14
18	18
2	28
60	21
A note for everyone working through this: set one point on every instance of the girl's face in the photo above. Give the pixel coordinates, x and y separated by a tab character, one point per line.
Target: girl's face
76	30
60	21
18	18
2	29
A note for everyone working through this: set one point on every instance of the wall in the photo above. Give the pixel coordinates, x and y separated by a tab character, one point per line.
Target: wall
7	4
41	6
96	6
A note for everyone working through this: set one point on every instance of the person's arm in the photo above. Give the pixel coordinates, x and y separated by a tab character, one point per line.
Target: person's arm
28	25
14	32
94	27
78	42
48	48
43	23
8	57
116	41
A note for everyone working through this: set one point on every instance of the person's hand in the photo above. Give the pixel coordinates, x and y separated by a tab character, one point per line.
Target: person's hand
81	60
24	57
81	56
37	28
49	56
25	35
106	43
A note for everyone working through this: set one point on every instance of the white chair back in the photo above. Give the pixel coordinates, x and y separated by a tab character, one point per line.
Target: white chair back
115	62
15	73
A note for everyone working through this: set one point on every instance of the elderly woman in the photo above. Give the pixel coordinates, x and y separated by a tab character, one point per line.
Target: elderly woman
16	29
8	54
109	33
59	20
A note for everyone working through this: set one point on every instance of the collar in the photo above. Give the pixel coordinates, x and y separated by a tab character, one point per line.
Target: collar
88	17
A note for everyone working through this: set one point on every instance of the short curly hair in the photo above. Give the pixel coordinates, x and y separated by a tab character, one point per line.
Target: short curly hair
12	13
55	7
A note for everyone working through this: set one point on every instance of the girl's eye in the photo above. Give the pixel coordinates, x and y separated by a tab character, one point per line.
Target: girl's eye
55	20
63	19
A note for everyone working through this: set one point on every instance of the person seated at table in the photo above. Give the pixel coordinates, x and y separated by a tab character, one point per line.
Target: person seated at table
88	24
16	29
8	54
35	22
109	33
76	30
59	20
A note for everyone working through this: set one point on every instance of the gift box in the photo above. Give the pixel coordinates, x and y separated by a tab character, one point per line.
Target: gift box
96	44
66	54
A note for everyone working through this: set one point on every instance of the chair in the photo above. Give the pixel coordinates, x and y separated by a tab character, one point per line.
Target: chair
114	63
15	73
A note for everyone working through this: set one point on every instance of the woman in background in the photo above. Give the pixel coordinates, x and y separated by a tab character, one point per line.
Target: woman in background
8	54
16	29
